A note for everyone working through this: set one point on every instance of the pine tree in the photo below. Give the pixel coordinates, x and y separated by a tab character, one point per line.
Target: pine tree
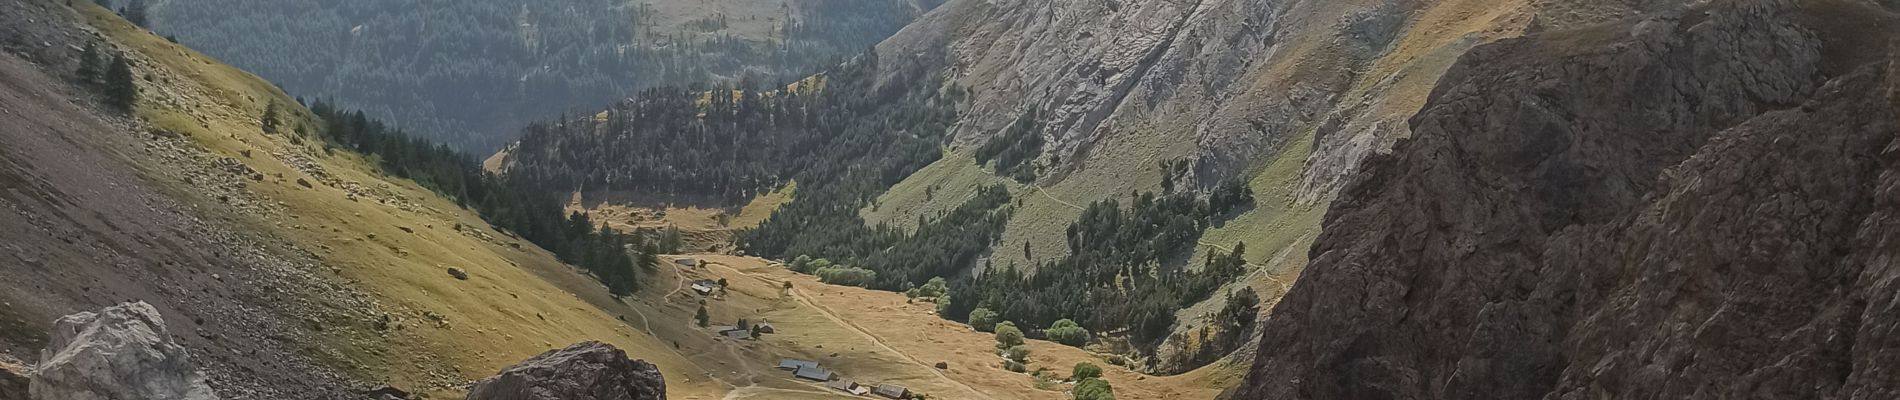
121	91
89	61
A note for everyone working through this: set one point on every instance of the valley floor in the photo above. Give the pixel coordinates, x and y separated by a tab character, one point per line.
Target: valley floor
866	336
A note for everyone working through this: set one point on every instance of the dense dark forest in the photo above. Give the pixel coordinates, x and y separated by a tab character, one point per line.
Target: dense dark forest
1015	150
616	258
842	136
470	72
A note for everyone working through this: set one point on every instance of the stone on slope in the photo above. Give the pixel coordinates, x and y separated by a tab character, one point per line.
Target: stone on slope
121	352
12	382
582	371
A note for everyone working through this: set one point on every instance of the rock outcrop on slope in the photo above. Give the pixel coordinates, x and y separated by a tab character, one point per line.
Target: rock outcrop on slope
1698	203
121	352
582	371
13	382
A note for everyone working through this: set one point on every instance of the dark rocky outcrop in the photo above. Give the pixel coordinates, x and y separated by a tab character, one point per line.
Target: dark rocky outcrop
582	371
121	352
13	382
1698	203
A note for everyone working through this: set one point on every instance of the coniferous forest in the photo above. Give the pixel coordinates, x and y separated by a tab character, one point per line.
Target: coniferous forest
470	72
845	139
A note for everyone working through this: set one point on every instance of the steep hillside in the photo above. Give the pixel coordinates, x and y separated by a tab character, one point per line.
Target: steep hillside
288	270
1285	96
470	73
1692	203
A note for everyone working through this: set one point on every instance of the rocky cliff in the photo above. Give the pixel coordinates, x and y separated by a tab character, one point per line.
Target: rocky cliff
1288	96
1693	203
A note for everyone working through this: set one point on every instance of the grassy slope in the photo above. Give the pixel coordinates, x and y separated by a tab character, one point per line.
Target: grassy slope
519	302
1283	224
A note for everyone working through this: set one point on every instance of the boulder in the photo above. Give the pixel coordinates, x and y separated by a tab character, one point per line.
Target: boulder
121	352
582	371
13	382
458	273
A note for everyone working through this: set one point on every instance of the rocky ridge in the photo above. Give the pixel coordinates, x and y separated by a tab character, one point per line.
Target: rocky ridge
1692	203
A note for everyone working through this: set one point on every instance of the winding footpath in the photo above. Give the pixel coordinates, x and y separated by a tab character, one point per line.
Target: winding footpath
828	314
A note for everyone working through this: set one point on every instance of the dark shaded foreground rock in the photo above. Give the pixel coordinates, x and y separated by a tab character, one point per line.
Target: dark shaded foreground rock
582	371
1697	204
13	383
121	352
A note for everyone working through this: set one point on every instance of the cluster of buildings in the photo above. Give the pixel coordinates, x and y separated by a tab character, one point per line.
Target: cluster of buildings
809	370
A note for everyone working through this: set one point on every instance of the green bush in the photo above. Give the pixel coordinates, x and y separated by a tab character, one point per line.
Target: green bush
1007	335
1014	366
1017	353
1094	389
1068	332
848	276
935	288
1084	370
983	320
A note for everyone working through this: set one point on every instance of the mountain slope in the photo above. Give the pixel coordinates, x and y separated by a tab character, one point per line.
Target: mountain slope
471	73
1688	204
281	289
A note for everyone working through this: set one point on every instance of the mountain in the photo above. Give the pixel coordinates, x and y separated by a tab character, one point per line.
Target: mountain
290	260
1691	202
470	73
1074	108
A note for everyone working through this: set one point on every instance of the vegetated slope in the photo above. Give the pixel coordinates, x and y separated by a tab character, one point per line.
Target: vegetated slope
289	270
1286	96
469	73
1078	104
1693	203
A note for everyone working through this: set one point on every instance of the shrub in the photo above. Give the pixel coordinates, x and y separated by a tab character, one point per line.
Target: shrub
1014	366
1084	370
1007	335
1017	353
983	320
1094	389
1068	332
935	288
849	276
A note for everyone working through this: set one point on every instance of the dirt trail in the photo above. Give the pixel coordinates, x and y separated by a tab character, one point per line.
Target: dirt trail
833	316
1045	193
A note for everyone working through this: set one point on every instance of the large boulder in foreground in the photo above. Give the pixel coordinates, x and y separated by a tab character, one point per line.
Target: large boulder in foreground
12	382
582	371
122	352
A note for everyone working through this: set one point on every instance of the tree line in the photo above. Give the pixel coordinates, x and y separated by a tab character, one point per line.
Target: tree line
616	258
470	72
1113	279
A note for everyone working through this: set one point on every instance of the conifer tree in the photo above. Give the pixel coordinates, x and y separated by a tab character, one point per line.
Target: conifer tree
121	91
89	62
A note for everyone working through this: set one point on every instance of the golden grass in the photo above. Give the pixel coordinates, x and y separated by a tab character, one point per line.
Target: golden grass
516	304
762	207
937	188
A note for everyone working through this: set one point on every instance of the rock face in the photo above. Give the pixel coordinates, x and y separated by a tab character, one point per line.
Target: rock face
582	371
13	382
1698	203
122	352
